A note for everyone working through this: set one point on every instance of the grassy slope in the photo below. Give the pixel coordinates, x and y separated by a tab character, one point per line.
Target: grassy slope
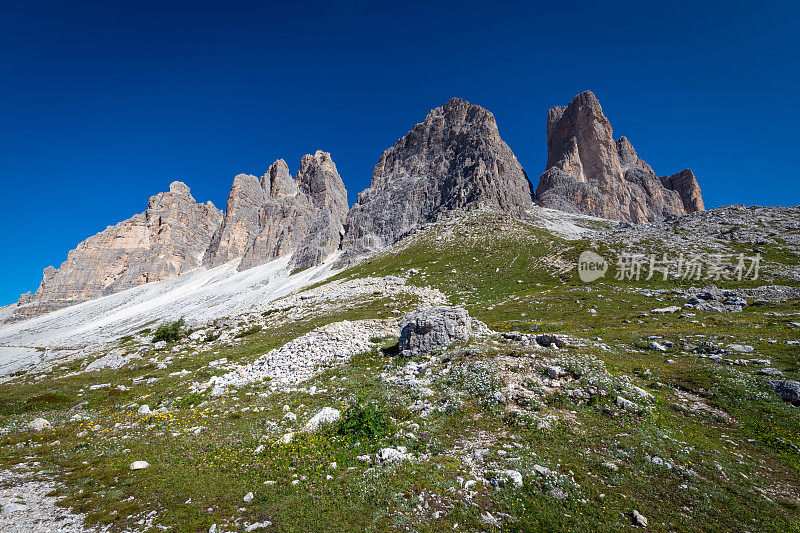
732	468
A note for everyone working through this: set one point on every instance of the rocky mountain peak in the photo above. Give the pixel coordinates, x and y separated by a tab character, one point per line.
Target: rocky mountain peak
179	187
319	179
454	159
232	238
280	215
581	136
588	172
278	181
628	158
167	239
457	113
685	184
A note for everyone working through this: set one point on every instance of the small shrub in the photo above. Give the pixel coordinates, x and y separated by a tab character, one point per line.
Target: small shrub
169	331
273	311
47	400
641	344
363	420
249	331
190	400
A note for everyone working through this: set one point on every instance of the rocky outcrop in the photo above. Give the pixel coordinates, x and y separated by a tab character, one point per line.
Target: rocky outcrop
454	159
685	184
789	391
588	172
240	221
277	215
433	328
168	239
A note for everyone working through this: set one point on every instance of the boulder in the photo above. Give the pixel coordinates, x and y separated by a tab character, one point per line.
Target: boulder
550	340
741	348
639	519
393	455
326	415
39	424
433	328
789	391
666	310
626	404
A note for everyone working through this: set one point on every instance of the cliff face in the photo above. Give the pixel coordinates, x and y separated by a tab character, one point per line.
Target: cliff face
685	184
278	215
588	172
168	239
454	159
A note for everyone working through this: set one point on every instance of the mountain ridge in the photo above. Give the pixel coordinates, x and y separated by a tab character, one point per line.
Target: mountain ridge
455	159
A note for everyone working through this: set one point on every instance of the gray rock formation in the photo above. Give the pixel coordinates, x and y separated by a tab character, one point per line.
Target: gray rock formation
588	172
433	328
278	215
454	159
240	223
168	239
789	391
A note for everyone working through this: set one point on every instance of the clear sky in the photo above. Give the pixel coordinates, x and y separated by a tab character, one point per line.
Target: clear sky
103	104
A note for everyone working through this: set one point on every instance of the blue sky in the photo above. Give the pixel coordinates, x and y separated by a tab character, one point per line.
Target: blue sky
103	104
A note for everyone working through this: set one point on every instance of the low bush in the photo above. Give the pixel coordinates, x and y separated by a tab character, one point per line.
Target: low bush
169	331
190	400
249	331
363	420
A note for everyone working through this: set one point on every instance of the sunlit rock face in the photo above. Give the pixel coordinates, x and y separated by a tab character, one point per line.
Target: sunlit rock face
169	238
588	172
